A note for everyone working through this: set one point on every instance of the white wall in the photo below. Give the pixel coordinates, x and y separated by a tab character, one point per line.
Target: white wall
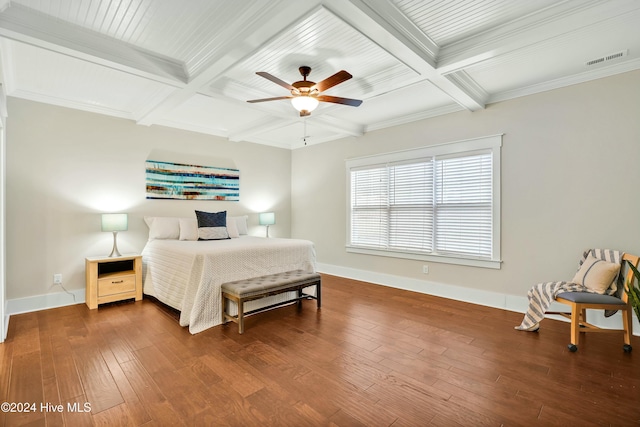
65	167
570	170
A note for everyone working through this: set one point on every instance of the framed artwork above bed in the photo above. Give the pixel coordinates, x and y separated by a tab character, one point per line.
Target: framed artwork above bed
167	180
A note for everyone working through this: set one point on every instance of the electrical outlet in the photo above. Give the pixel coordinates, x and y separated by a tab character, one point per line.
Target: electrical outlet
57	279
425	269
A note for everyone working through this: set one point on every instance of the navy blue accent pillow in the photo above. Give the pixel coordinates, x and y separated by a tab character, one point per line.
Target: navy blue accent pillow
212	225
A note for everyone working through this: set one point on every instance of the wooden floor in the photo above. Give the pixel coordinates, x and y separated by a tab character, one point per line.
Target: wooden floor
372	356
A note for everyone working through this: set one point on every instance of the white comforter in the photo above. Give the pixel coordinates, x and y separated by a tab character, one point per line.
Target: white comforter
187	275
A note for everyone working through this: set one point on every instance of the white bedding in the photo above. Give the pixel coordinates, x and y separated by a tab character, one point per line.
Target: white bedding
187	275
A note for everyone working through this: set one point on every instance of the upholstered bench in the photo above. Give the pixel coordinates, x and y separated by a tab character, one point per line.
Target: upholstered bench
242	291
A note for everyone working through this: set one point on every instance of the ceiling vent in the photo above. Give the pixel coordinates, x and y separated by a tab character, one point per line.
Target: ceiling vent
606	58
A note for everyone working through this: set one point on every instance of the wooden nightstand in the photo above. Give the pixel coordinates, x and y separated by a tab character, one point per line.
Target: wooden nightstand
113	279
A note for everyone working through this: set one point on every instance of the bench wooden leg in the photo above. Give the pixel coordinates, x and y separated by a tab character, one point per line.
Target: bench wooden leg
240	316
222	309
240	300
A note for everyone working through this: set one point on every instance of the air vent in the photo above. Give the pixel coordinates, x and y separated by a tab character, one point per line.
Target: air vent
606	58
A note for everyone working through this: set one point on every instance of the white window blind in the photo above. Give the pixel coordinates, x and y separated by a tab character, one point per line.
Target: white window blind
440	205
463	188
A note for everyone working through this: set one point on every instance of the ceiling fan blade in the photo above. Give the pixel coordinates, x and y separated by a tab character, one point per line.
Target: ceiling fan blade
339	100
275	80
330	82
270	99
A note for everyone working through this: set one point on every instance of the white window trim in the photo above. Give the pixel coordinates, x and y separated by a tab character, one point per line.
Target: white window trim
491	142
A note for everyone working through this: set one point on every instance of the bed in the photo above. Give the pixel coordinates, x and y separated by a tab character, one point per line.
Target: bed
187	274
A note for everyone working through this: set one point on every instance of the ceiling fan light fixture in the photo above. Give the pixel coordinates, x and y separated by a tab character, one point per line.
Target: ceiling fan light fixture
304	103
305	94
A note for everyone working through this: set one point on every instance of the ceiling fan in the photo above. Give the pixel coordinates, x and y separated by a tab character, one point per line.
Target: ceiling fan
305	94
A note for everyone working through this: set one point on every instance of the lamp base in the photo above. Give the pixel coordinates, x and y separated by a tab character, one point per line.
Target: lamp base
115	252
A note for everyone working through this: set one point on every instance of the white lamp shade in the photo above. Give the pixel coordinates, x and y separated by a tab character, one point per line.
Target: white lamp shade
304	102
114	222
267	218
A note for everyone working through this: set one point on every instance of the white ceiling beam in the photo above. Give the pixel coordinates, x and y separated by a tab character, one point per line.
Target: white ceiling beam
24	25
400	38
337	125
388	16
275	121
267	124
4	4
247	34
530	30
6	66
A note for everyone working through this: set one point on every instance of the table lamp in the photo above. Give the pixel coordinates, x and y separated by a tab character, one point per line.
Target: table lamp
114	223
267	218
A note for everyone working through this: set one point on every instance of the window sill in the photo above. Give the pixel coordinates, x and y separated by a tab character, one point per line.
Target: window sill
471	262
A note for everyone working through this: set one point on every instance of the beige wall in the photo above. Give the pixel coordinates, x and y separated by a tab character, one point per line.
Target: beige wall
65	167
570	159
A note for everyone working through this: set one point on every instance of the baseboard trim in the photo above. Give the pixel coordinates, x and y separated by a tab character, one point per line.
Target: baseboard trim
44	302
460	293
455	292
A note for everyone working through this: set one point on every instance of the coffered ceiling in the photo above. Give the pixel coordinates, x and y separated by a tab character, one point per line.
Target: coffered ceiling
191	64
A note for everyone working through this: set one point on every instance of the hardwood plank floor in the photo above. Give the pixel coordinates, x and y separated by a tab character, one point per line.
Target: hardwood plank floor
372	356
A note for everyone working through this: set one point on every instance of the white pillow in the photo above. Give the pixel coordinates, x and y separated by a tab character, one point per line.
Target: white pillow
163	228
232	228
241	223
596	274
188	229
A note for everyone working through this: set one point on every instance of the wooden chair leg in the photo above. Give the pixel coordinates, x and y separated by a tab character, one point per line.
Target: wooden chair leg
583	315
576	313
627	320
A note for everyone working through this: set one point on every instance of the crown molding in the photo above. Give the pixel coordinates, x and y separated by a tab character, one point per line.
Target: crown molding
602	72
83	106
338	125
266	124
427	114
207	130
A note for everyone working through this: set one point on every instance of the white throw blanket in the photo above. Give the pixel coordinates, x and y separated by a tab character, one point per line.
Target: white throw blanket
543	294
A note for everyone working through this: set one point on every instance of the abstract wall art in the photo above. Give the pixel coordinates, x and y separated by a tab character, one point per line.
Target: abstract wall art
166	180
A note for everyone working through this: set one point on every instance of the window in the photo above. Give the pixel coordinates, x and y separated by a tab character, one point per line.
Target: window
439	203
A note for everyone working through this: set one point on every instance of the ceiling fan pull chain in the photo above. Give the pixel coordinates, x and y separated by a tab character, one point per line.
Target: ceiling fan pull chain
304	135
